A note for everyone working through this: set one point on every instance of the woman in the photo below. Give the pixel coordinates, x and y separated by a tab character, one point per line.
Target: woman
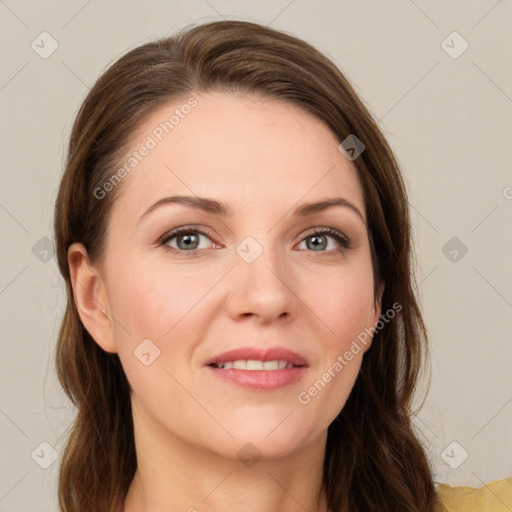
273	366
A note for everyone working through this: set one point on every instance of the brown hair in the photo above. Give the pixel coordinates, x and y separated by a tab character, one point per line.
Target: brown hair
373	460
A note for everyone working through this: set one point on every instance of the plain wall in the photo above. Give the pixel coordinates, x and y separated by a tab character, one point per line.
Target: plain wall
447	119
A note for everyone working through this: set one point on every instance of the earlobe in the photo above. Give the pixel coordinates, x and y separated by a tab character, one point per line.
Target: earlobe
90	297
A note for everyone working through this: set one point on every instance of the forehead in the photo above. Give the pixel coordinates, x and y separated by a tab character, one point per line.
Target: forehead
241	148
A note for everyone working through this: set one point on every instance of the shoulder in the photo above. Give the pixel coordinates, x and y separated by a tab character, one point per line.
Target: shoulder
492	497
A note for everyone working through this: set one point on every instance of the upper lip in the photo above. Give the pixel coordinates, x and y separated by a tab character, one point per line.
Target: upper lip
259	354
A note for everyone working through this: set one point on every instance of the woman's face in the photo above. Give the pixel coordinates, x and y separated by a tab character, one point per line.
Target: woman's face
255	278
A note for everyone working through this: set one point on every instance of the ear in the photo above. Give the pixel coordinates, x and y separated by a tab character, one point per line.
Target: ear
90	296
375	315
378	303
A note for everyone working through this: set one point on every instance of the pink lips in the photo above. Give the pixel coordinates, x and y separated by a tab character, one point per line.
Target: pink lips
264	380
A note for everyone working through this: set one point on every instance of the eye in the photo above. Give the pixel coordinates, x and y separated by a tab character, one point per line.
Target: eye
318	243
188	240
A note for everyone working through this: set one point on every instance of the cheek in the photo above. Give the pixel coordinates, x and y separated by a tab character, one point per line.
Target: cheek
343	303
162	311
344	307
324	395
150	300
151	315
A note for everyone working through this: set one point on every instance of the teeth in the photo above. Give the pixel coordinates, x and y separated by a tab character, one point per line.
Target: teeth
253	364
240	365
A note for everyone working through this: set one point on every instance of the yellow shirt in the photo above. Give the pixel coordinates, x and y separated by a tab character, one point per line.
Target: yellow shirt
493	497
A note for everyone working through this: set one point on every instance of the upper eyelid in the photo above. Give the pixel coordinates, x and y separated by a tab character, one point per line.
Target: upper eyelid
185	229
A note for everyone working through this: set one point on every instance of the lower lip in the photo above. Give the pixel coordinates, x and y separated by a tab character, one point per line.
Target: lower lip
265	380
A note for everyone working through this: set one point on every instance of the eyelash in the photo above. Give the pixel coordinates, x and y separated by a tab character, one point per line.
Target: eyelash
343	240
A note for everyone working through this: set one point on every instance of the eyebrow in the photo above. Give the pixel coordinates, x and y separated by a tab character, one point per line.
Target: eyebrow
215	207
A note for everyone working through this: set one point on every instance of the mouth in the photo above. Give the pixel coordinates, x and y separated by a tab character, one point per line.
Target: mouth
260	369
255	364
255	358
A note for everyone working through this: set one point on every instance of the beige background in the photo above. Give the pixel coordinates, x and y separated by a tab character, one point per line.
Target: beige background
448	120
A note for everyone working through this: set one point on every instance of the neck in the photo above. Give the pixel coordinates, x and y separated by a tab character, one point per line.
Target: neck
175	476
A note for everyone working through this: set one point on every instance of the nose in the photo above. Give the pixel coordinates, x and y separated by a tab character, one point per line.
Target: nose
263	288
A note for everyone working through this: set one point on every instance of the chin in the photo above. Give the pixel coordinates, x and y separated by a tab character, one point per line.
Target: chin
263	444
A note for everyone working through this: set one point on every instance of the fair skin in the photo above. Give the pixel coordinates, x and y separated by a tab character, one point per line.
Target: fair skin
262	158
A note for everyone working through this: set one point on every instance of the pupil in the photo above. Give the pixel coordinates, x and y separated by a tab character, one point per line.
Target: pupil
315	242
188	239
